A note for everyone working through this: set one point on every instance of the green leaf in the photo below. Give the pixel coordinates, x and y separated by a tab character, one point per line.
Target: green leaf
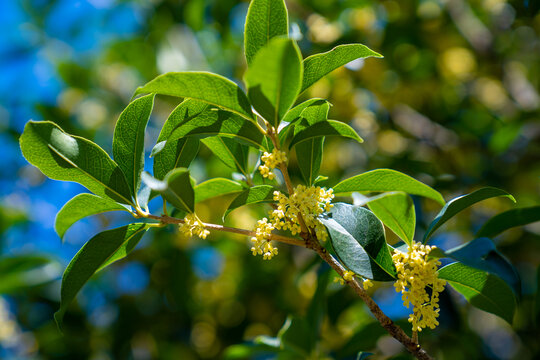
509	219
233	154
309	153
253	195
319	65
326	128
357	237
81	206
169	155
61	156
482	254
216	187
484	291
274	78
213	122
128	140
19	273
294	336
382	180
317	104
210	88
176	188
396	210
460	203
97	252
265	20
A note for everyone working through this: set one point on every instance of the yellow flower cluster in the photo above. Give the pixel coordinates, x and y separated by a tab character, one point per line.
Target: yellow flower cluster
271	161
193	226
261	244
347	276
416	273
367	284
310	202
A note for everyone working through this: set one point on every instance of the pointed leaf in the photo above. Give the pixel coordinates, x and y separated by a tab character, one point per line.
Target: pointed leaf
211	88
274	78
216	187
357	237
326	128
484	291
295	113
92	256
396	210
18	273
176	188
319	65
128	140
509	219
253	195
460	203
61	156
265	20
382	180
81	206
482	254
213	122
233	154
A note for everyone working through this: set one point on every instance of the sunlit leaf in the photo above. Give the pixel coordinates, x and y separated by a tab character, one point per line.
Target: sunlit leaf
265	20
81	206
273	80
319	65
396	211
357	237
460	203
382	180
211	88
176	188
483	290
128	139
326	128
61	156
233	154
216	187
253	195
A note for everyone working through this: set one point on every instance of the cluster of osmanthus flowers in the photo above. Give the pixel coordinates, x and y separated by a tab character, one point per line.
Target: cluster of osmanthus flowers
192	225
416	273
306	202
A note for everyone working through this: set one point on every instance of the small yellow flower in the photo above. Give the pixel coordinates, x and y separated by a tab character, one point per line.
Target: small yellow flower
367	284
271	161
193	226
416	273
261	244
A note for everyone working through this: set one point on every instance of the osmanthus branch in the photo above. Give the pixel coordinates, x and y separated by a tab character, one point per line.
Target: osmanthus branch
312	242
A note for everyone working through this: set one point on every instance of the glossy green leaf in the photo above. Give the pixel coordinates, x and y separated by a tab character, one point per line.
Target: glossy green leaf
273	80
482	254
509	219
484	291
216	187
382	180
213	122
460	203
233	154
319	65
295	113
265	19
253	195
18	273
169	155
357	237
61	156
98	251
326	128
81	206
176	188
396	211
211	88
128	139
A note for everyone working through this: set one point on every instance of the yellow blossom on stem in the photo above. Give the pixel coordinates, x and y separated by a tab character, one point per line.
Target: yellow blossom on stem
367	283
261	243
416	273
193	226
271	161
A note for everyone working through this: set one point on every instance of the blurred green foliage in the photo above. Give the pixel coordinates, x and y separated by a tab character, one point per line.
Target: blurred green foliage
453	103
